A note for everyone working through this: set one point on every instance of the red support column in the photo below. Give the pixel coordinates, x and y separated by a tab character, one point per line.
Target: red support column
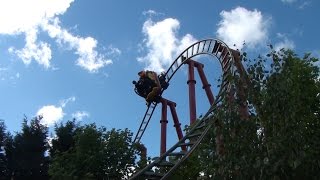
143	156
206	86
242	87
163	122
176	122
192	98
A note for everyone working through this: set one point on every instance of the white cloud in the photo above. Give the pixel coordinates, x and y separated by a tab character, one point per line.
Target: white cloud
304	5
3	68
7	73
89	58
79	115
284	43
18	16
53	113
149	12
113	51
24	17
316	54
64	102
162	44
288	1
30	17
241	25
40	51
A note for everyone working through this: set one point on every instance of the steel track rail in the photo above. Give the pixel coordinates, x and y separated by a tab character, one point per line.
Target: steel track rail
192	139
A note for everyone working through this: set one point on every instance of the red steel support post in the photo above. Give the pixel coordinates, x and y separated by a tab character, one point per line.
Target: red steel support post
206	85
242	87
163	121
143	157
192	98
176	122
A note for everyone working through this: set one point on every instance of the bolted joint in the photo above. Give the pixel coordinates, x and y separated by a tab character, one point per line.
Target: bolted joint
191	81
206	86
163	121
177	125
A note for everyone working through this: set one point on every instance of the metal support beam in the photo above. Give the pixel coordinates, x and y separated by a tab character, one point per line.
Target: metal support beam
206	86
192	98
242	87
163	122
176	122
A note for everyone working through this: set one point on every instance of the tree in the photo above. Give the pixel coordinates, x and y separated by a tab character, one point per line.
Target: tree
96	154
78	161
28	151
280	139
65	137
3	159
287	103
118	153
9	155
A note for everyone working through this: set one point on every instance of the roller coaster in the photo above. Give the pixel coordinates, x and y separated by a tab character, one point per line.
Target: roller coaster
230	64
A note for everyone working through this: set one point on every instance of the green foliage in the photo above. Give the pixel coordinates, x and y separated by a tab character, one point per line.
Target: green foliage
3	160
9	151
185	172
288	107
26	151
76	152
118	154
141	151
65	137
92	153
191	168
281	137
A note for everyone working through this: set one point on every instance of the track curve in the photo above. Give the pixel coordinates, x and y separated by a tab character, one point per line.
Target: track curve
224	54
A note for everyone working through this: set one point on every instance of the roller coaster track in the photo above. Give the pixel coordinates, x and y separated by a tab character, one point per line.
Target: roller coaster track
193	138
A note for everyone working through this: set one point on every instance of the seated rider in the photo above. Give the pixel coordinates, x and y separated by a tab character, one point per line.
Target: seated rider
154	84
144	86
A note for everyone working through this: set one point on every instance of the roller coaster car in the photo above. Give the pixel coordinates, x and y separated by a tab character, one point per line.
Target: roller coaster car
162	79
145	85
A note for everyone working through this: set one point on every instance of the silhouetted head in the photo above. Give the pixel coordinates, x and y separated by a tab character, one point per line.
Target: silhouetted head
142	73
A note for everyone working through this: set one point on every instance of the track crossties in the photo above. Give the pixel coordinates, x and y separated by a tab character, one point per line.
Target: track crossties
188	143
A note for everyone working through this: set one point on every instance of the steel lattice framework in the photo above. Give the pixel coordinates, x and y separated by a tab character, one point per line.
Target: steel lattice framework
230	61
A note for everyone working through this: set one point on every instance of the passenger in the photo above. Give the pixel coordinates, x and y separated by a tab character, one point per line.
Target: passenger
162	79
154	84
144	86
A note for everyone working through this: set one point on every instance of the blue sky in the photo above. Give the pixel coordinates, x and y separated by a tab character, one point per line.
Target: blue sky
77	58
